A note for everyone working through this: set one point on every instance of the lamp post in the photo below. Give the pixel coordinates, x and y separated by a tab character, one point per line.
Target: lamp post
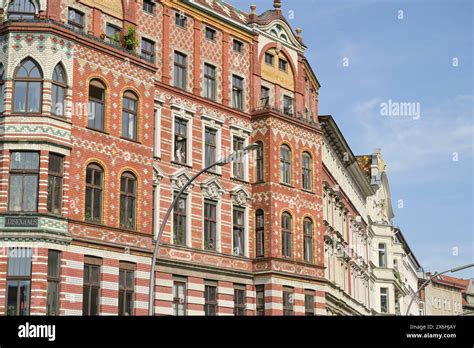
452	270
219	163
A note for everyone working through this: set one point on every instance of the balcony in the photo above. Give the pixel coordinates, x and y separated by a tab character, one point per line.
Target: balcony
113	43
287	111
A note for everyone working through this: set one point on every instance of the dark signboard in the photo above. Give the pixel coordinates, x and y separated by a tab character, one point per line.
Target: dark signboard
21	221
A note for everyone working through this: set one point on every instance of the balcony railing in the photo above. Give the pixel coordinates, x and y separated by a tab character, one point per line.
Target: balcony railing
106	41
307	117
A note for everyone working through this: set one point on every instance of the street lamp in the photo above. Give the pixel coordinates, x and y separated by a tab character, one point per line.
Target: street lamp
452	270
236	155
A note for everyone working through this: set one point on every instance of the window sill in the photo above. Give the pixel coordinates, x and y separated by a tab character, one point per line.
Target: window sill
123	228
19	113
59	118
182	164
240	180
287	185
308	191
97	130
131	140
211	172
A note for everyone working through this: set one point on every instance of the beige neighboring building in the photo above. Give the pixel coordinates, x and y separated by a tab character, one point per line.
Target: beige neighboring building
443	296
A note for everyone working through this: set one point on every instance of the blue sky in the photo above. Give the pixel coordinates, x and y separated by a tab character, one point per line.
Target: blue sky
404	60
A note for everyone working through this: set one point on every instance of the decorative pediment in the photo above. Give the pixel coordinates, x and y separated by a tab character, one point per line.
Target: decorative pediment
281	32
212	189
180	178
157	175
241	196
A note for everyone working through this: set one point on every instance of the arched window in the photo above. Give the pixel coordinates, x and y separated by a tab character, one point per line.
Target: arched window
308	239
128	197
96	105
58	91
28	87
287	234
306	171
259	165
2	88
129	115
21	9
285	165
260	233
94	189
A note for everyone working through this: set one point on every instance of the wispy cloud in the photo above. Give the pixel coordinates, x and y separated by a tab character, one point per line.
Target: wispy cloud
410	144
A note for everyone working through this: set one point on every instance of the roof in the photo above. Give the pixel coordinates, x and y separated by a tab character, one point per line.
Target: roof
336	140
407	247
461	284
224	9
365	162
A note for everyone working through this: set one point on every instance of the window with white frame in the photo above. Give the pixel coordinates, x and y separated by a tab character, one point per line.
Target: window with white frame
382	255
157	131
239	230
384	300
182	139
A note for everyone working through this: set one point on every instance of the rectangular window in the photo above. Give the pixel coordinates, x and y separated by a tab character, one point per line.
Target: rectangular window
19	281
210	34
265	96
76	19
238	46
209	81
210	146
126	288
112	32
210	224
180	20
260	233
269	58
239	301
288	301
54	278
24	172
282	64
55	183
157	133
384	300
179	298
210	300
237	92
309	303
260	298
288	105
259	163
148	50
238	164
382	255
238	230
180	70
149	6
180	140
179	221
91	287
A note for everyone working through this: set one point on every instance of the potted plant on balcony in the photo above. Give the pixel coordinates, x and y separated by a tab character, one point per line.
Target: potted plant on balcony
130	39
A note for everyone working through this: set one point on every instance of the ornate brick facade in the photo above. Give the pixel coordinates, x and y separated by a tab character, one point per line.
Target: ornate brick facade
272	281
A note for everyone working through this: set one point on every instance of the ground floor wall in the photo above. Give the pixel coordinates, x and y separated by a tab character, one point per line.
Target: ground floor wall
195	279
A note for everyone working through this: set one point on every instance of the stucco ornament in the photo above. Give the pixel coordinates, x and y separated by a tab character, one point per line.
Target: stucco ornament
212	189
240	196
